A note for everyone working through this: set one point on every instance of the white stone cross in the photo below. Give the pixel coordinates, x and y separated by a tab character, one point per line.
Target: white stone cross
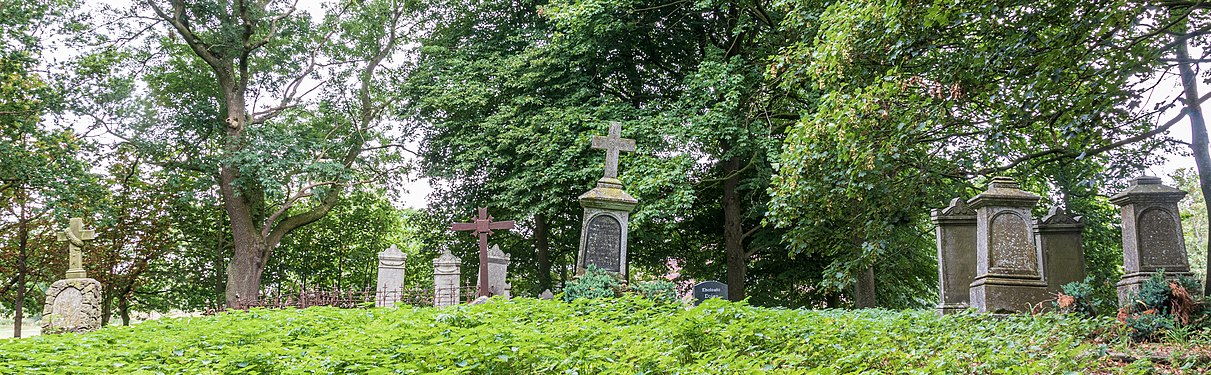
75	237
612	144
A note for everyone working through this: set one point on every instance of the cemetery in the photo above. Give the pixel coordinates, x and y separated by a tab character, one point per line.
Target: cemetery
604	187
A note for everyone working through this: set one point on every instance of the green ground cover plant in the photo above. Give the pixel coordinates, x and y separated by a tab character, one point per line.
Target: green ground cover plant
629	335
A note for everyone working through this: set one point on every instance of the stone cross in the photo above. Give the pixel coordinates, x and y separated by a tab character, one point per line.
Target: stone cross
482	226
612	144
75	237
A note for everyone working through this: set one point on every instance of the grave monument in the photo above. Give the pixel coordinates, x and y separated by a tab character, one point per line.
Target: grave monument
498	271
1152	234
482	226
447	272
607	210
390	277
73	304
1009	270
1059	237
956	234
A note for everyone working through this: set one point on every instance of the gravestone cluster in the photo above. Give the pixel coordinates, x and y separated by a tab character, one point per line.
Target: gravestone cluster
993	256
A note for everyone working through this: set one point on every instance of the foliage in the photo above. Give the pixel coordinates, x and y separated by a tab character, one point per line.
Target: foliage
595	283
1161	305
662	291
525	336
1193	210
1078	298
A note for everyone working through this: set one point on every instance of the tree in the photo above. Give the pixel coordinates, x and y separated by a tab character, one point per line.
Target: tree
283	112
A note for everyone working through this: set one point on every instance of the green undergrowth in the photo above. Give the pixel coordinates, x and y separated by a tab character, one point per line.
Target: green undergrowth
524	336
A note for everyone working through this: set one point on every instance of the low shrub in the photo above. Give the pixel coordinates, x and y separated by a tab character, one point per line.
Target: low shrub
1162	305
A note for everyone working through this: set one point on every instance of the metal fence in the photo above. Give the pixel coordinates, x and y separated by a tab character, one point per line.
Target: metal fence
348	299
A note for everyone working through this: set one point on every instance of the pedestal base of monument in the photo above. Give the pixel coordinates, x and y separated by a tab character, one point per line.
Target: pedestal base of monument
951	308
1129	285
1007	294
603	235
72	305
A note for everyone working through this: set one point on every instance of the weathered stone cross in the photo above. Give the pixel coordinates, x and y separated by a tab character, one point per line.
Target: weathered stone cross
75	237
613	143
483	226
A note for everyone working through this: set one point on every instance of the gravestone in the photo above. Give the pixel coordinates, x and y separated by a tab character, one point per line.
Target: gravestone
1059	237
1009	271
1152	234
709	289
446	274
546	294
498	270
956	233
390	277
73	304
607	211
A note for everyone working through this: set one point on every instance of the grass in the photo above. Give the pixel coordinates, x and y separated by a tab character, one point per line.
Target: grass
618	336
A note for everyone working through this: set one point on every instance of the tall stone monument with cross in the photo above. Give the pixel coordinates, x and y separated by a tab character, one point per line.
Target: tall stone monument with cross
607	210
482	226
73	304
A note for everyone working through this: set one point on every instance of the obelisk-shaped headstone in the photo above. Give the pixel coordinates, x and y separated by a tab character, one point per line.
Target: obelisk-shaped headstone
956	254
1009	270
390	277
73	304
1152	234
447	270
607	210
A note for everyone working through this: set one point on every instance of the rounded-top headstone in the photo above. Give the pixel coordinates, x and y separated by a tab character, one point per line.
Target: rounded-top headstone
709	289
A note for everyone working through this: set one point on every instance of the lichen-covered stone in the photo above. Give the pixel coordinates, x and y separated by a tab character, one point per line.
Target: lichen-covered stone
72	305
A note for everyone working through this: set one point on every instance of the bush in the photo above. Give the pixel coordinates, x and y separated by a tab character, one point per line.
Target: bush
1077	298
1161	305
662	291
595	283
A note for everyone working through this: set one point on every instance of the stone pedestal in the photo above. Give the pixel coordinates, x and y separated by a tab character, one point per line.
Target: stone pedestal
498	272
1059	237
72	305
447	270
1152	234
390	277
603	236
1009	271
956	254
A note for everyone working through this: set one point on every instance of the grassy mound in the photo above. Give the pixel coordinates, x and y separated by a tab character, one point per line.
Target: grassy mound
523	336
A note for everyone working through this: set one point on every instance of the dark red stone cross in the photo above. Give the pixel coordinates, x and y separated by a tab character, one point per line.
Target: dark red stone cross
483	226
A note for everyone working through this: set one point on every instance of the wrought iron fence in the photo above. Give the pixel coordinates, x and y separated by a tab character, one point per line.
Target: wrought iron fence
348	299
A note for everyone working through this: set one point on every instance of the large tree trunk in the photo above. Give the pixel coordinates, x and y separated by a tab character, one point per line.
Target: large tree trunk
22	257
106	302
733	230
124	307
542	246
864	289
1198	132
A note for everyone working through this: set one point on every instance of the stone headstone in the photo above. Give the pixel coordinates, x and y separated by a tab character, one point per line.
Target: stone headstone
709	289
73	304
546	294
390	277
1009	271
1059	237
956	236
607	211
1152	234
498	270
447	270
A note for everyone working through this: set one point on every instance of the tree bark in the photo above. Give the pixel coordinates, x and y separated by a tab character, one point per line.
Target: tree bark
124	308
106	299
1198	132
864	289
22	257
542	246
733	230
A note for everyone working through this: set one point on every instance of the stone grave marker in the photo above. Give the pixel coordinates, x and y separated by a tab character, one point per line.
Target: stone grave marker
546	294
709	289
607	210
447	272
73	304
482	226
956	234
1152	234
498	270
390	277
1059	237
1009	271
